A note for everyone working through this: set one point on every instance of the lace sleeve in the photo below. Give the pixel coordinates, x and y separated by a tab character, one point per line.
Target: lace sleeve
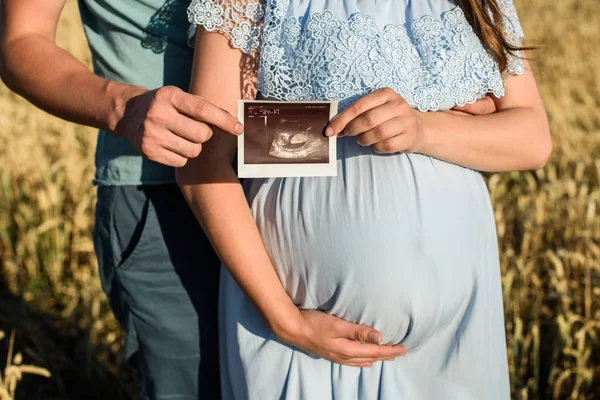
240	20
513	32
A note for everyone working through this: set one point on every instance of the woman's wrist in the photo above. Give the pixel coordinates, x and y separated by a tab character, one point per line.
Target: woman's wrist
428	126
284	321
420	145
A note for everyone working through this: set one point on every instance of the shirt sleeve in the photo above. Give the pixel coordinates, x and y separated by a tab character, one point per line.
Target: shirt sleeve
240	20
513	32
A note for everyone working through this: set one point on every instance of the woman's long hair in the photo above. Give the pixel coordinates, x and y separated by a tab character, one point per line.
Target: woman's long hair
485	17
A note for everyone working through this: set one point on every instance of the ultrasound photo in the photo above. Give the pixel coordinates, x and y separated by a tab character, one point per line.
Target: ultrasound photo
286	139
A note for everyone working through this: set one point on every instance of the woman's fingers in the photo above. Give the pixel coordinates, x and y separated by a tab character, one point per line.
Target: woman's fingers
381	132
340	341
360	106
371	119
365	362
483	106
361	333
394	144
360	365
364	342
352	349
368	360
457	112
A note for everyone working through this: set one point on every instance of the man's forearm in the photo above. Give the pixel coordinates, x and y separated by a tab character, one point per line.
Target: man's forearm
58	83
166	125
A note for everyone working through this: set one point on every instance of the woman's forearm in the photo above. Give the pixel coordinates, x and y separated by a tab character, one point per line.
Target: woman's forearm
212	189
508	140
218	202
515	138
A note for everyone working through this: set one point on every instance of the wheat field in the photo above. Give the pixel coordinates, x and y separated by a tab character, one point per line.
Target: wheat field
60	327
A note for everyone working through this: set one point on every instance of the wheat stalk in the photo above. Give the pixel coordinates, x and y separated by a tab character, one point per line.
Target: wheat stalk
14	370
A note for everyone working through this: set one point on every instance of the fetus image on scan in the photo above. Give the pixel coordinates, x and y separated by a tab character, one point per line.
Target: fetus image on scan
293	140
285	133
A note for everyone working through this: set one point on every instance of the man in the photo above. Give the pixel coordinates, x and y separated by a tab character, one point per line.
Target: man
156	266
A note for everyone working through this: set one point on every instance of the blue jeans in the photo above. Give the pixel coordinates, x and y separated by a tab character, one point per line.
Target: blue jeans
161	278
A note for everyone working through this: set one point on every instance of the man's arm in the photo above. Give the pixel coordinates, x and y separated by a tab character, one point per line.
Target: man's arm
33	66
163	125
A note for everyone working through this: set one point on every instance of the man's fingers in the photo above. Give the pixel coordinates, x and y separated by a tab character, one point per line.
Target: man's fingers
201	110
169	158
178	145
360	106
189	129
484	106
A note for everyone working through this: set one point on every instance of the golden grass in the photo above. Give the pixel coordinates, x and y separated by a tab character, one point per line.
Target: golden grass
14	371
548	226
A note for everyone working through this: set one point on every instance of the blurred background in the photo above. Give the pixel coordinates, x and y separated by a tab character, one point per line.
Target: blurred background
54	317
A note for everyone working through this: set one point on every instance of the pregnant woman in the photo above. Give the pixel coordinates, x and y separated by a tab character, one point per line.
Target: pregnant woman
403	239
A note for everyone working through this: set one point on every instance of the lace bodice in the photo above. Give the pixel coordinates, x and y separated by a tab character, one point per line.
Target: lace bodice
340	50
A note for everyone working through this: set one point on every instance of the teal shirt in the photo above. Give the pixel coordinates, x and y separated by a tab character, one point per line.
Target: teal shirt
139	42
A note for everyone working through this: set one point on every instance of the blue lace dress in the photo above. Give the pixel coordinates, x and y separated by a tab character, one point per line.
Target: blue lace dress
404	242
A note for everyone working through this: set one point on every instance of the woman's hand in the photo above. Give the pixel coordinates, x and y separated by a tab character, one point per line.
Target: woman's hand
382	119
334	339
484	106
512	134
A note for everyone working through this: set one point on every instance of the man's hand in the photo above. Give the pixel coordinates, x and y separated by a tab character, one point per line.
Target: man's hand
339	341
168	125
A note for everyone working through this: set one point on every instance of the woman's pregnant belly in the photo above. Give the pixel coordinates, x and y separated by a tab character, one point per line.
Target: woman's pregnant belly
395	242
